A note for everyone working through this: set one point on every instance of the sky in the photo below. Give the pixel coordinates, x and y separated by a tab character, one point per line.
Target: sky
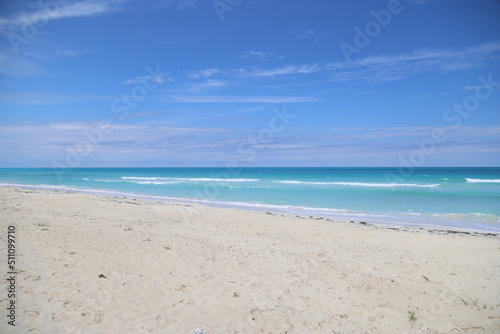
160	83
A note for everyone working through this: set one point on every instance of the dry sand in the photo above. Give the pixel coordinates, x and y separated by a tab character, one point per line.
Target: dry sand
173	268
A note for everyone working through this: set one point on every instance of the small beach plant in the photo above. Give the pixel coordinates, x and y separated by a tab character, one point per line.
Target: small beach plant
412	316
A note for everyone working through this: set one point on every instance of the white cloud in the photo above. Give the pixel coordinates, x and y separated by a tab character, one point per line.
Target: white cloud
70	52
184	4
141	79
35	53
179	4
70	133
383	68
368	92
299	33
55	10
256	54
35	98
389	68
291	69
206	73
210	84
420	2
18	66
43	143
477	87
464	133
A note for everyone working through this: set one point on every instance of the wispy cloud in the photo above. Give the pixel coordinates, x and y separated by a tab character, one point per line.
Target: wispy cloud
302	34
394	67
178	4
367	92
60	10
420	2
372	133
464	134
70	52
366	146
33	58
70	133
291	69
36	98
206	73
383	68
208	85
184	4
256	54
476	87
43	143
141	79
18	66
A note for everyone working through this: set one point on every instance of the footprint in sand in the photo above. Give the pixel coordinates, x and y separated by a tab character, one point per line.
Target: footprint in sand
95	317
31	313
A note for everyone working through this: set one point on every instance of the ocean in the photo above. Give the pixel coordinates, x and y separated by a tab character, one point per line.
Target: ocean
455	198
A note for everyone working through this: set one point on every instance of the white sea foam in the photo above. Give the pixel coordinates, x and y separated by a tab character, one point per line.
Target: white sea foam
388	185
107	181
468	217
283	208
482	180
363	184
456	221
156	182
304	182
187	179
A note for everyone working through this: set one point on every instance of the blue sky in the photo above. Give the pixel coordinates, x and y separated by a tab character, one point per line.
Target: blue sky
200	83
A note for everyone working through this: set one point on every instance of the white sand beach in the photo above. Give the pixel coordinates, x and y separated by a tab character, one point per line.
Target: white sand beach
176	267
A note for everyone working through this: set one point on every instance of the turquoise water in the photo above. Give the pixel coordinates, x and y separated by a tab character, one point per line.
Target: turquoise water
462	198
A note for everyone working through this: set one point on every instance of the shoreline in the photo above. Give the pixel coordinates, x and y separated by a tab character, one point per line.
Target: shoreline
112	264
264	208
